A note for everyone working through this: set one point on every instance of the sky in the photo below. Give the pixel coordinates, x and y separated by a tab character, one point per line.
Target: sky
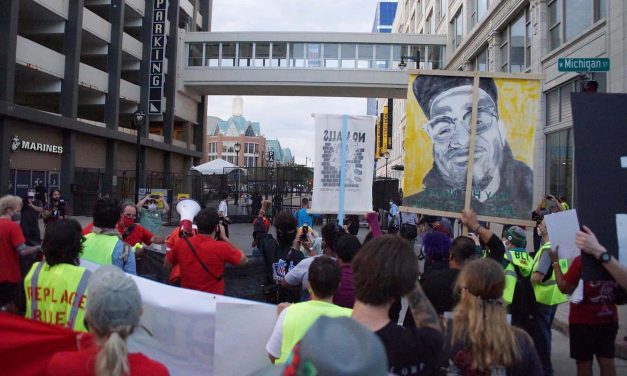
289	118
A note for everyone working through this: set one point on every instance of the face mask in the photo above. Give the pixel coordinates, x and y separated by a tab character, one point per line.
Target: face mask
127	221
15	217
152	207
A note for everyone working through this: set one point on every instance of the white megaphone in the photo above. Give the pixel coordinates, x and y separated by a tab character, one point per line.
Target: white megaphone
187	209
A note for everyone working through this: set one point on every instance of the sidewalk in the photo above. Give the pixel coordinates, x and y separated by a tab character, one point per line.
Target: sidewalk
561	323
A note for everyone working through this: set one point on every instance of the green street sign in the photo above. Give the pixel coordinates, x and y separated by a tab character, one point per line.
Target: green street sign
582	64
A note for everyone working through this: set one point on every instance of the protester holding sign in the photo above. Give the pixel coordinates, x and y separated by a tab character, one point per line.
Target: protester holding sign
56	288
592	322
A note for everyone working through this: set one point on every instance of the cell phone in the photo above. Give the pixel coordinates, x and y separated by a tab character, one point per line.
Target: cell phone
303	235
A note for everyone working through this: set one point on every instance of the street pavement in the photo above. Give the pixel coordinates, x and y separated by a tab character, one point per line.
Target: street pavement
241	236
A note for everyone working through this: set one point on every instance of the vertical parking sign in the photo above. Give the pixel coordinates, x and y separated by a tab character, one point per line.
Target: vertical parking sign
157	55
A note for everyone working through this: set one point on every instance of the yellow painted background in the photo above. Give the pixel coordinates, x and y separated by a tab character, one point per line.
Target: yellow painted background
518	102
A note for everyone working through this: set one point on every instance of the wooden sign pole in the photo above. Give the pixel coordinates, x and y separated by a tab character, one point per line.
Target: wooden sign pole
471	146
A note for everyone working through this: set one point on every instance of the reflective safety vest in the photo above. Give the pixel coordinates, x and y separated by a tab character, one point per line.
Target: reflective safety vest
547	291
520	258
57	294
99	248
300	317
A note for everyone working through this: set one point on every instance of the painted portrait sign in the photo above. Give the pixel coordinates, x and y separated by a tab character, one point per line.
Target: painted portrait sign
464	116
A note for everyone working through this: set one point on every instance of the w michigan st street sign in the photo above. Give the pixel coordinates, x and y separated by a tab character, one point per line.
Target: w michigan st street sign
581	64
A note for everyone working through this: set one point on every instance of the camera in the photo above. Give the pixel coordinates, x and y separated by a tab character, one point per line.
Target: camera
304	232
226	220
155	197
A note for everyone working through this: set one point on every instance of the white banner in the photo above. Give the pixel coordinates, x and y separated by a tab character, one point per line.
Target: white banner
186	336
358	165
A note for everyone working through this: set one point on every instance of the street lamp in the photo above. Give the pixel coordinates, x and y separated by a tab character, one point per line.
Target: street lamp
386	155
237	148
403	63
139	117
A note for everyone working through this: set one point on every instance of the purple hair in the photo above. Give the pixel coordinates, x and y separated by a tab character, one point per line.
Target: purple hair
436	246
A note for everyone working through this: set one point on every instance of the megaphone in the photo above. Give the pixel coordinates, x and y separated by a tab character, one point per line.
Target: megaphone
187	209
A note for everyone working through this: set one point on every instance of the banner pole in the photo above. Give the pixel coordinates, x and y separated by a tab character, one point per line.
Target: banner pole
340	211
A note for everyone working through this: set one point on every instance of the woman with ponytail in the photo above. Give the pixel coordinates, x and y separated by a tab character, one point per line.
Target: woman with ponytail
114	306
481	341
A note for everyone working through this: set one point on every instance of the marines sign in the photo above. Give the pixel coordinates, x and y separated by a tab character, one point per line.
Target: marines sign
19	144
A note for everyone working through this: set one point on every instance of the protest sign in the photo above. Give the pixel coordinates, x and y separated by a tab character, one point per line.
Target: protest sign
353	192
562	228
621	231
469	143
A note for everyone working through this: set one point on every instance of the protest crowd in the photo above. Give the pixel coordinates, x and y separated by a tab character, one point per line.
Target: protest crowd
414	301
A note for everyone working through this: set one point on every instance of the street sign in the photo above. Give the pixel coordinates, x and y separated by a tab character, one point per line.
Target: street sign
157	56
581	64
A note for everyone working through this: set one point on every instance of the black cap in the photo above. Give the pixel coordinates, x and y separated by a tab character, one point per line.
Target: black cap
427	88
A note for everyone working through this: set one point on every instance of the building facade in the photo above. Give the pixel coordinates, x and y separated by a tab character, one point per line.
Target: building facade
72	75
528	36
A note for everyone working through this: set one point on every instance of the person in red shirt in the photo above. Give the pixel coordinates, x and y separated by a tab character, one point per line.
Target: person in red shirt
12	245
137	234
113	308
202	258
593	322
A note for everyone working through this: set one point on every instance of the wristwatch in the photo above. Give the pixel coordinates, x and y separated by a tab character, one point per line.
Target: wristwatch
605	257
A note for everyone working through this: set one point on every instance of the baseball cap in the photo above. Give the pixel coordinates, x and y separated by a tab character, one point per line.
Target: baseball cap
113	299
334	346
516	236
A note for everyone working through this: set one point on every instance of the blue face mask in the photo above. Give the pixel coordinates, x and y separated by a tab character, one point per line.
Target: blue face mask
152	207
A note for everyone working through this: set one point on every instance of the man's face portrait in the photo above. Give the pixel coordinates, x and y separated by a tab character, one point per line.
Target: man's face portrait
449	130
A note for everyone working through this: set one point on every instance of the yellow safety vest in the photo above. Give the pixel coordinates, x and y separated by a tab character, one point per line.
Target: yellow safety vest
300	317
99	248
57	294
547	292
520	258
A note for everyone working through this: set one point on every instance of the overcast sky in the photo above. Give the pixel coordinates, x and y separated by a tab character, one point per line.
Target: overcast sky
289	118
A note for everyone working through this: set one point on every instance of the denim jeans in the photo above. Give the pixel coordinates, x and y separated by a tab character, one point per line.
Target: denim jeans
544	315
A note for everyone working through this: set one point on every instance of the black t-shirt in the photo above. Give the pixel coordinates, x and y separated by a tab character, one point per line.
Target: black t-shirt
29	222
411	351
459	360
438	286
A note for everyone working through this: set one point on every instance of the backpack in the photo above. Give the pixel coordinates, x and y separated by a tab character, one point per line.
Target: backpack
523	302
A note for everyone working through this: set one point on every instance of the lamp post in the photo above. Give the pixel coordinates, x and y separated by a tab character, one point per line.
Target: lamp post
139	117
237	148
386	155
256	154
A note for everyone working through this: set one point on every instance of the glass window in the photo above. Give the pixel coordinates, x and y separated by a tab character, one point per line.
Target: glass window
555	17
479	10
517	45
559	163
576	17
364	56
297	55
313	55
552	108
382	56
195	55
504	50
262	54
279	54
348	55
481	61
437	57
458	31
331	57
442	11
396	55
527	39
245	57
600	10
212	54
228	55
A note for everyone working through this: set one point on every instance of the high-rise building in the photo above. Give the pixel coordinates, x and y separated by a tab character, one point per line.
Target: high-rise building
383	19
72	74
529	36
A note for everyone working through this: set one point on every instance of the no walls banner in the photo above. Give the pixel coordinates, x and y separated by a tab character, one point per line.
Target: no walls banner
357	169
487	119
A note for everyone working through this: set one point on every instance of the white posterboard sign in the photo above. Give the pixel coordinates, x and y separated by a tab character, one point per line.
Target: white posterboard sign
358	167
242	331
562	228
621	232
